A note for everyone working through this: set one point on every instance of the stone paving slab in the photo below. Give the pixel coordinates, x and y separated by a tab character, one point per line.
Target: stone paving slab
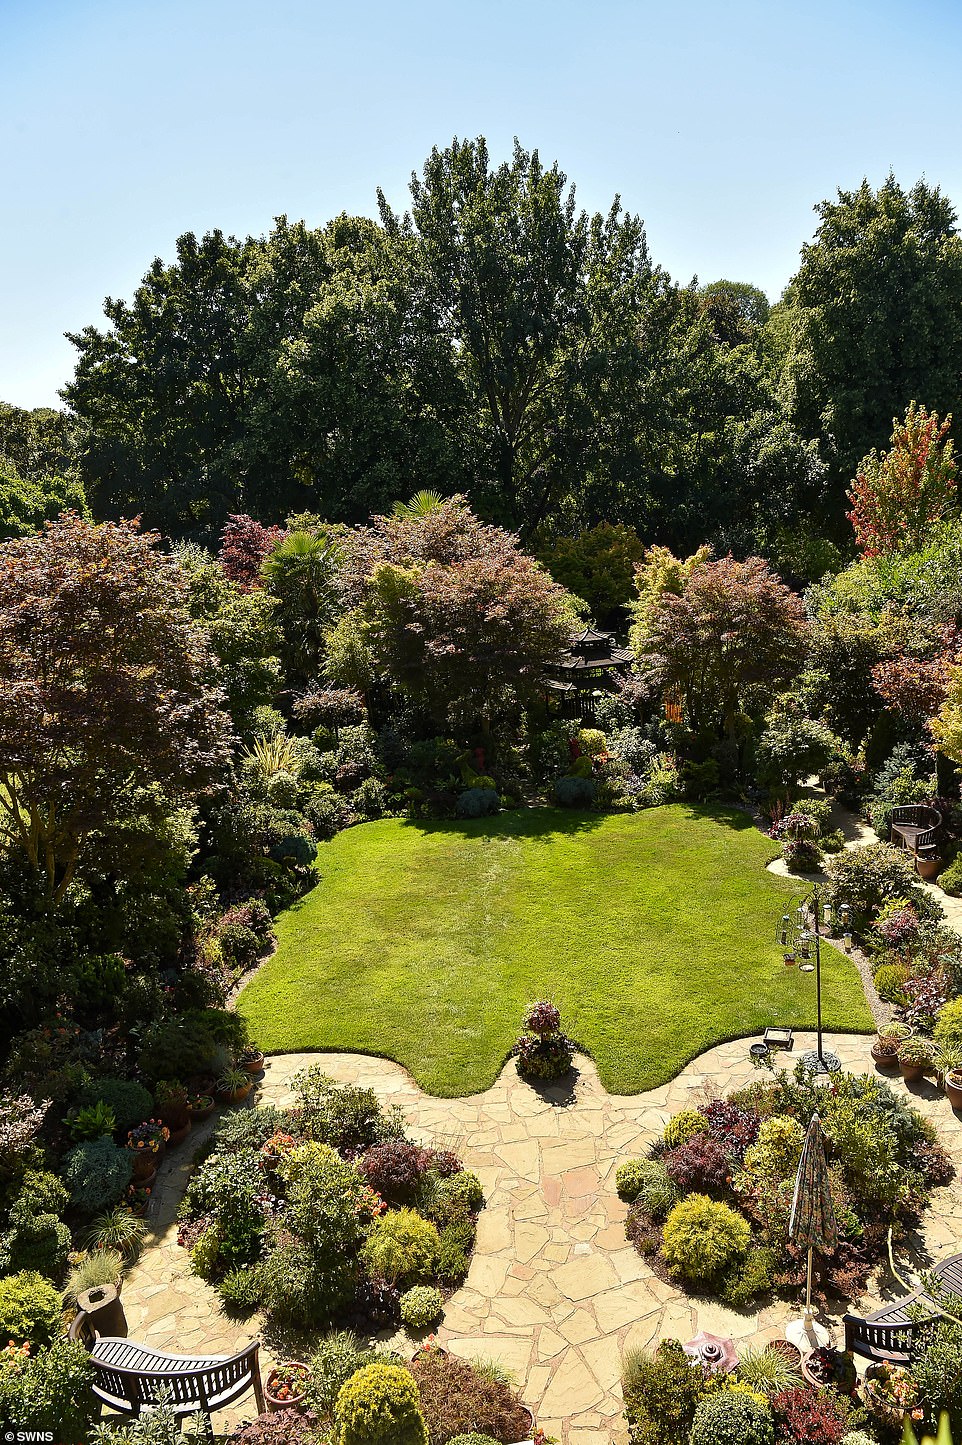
554	1291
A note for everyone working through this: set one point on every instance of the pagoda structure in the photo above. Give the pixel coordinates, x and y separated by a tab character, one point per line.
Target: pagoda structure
592	665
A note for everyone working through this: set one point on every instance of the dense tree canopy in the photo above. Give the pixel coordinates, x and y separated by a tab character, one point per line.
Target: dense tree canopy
104	706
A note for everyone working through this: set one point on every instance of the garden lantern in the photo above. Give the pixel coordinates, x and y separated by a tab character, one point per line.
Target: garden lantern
804	944
847	942
784	930
827	916
845	916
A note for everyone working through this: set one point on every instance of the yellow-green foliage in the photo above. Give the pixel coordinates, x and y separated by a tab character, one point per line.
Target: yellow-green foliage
402	1246
380	1405
776	1152
683	1126
703	1237
592	742
948	1025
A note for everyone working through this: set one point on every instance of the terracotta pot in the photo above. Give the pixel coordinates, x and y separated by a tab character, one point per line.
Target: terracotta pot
253	1066
811	1375
237	1097
787	1350
295	1402
953	1089
198	1114
883	1059
928	868
911	1073
177	1136
145	1162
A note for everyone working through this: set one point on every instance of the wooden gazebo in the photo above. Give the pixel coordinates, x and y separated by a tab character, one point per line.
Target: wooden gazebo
591	666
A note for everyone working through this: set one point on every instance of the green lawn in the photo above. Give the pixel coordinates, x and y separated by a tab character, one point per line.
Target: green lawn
653	931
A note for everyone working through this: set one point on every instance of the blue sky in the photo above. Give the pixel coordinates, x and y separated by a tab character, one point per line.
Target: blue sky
126	123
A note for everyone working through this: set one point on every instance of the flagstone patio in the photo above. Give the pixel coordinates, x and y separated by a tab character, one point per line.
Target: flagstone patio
555	1292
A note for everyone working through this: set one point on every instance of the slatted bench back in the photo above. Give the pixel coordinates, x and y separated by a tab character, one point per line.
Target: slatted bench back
129	1376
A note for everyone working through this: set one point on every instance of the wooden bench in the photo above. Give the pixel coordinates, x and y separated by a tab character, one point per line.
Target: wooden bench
886	1335
129	1377
914	826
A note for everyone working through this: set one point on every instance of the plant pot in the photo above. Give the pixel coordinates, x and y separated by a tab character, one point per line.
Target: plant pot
911	1073
205	1111
811	1374
237	1097
787	1350
295	1401
178	1135
953	1089
928	868
883	1059
145	1162
253	1066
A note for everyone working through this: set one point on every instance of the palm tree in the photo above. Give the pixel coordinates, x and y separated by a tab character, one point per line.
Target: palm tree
300	572
419	506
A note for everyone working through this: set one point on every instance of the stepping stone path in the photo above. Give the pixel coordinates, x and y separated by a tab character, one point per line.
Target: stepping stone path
555	1292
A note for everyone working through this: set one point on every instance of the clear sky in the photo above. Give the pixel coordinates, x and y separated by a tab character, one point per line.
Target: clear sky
125	123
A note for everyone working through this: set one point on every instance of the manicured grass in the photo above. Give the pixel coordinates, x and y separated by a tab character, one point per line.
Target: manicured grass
653	931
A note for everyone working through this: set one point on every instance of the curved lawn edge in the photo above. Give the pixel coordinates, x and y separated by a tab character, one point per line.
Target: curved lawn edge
422	943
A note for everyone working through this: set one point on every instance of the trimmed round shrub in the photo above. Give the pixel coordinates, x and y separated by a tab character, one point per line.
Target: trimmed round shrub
630	1177
422	1307
131	1102
401	1247
890	980
546	1058
96	1174
950	879
732	1417
380	1405
30	1309
684	1126
575	792
703	1238
478	803
457	1239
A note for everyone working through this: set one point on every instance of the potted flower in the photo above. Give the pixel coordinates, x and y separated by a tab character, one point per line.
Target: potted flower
233	1086
200	1106
173	1107
286	1386
251	1060
948	1061
916	1057
147	1144
543	1051
890	1393
138	1195
828	1366
885	1050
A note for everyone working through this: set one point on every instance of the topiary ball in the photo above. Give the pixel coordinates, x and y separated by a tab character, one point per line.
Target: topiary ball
380	1405
732	1417
422	1307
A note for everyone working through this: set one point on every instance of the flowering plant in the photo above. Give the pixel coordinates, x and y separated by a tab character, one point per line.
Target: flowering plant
288	1381
892	1388
275	1149
369	1203
151	1134
138	1197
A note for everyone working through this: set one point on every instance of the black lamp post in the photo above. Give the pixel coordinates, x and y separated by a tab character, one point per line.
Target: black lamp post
795	933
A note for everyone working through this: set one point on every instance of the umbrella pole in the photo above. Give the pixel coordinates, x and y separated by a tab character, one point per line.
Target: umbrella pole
808	1292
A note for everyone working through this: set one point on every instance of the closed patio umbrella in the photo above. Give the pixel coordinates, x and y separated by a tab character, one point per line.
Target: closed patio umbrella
812	1225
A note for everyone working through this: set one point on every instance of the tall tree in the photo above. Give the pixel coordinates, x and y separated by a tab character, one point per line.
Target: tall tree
899	496
875	314
105	709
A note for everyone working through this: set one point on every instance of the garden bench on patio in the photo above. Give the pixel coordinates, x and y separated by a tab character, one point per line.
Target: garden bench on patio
886	1335
130	1377
914	826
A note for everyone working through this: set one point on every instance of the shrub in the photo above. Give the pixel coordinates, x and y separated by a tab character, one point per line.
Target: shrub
284	1427
802	855
421	1307
890	980
950	879
753	1276
656	1191
29	1309
575	792
346	1116
803	1413
36	1238
305	1291
401	1247
545	1057
775	1154
937	1367
478	803
395	1169
379	1405
703	1238
701	1163
455	1242
866	878
473	1438
630	1178
130	1101
47	1393
661	1392
732	1126
948	1025
732	1417
767	1371
240	1290
457	1396
338	1356
226	1190
683	1126
239	945
454	1197
96	1174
